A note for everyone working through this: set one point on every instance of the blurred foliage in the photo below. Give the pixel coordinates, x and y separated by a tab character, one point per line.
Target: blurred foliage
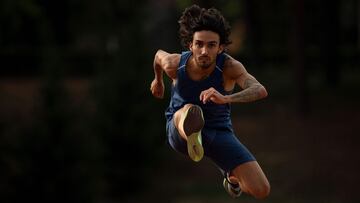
106	148
72	153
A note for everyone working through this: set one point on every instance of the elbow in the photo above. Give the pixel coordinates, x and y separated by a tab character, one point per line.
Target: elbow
262	92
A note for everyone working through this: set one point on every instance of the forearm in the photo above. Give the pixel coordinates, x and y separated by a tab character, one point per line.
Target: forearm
158	71
252	93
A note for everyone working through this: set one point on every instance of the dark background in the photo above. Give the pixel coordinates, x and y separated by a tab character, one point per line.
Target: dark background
78	122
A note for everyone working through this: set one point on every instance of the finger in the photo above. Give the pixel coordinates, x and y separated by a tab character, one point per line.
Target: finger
155	92
208	91
152	90
202	95
208	96
214	95
158	96
160	93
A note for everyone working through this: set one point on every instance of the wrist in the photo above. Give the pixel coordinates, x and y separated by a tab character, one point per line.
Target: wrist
228	99
158	73
158	78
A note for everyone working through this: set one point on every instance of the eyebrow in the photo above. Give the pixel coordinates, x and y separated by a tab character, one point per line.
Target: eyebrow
210	42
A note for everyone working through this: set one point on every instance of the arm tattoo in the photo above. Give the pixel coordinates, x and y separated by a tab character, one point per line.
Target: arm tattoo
251	92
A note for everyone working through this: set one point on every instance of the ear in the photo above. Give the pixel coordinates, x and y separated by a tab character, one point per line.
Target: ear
190	46
221	48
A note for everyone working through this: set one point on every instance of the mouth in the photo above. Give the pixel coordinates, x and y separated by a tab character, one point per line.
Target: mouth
204	61
204	58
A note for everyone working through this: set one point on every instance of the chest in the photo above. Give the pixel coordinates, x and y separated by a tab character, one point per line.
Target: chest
191	82
196	75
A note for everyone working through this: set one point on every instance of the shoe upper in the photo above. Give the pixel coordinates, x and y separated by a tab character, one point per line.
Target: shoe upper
233	190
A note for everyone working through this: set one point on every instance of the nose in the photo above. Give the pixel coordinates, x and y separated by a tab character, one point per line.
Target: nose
204	51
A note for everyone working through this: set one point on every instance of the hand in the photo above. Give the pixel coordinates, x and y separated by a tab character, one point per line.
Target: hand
213	95
157	88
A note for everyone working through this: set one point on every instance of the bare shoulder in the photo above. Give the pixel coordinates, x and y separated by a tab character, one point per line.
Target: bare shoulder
233	68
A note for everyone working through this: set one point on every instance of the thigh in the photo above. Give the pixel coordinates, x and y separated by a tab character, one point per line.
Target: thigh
252	179
226	150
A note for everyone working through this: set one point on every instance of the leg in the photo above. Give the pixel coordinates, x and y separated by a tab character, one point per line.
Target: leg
252	179
231	156
189	121
177	117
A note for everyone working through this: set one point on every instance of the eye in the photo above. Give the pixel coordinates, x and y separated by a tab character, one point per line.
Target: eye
212	45
198	44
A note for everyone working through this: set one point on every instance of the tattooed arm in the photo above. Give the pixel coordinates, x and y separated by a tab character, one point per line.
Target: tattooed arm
252	90
234	73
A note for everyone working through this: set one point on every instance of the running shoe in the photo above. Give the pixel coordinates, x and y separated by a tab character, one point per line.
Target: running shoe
193	122
233	189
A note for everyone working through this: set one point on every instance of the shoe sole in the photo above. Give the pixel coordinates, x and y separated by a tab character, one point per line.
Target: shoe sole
193	123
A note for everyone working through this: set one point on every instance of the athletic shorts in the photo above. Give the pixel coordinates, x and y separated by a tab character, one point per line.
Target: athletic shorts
220	145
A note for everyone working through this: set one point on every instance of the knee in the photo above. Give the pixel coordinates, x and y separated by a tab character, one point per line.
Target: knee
186	106
261	192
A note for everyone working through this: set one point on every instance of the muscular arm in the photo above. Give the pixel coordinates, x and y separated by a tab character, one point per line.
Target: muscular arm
163	62
235	73
252	89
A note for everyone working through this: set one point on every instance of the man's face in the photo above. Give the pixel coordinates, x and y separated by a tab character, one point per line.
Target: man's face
205	47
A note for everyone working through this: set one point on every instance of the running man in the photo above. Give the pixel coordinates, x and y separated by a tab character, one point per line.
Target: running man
198	116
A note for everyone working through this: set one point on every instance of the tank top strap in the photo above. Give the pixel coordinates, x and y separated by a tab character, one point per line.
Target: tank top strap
184	58
220	59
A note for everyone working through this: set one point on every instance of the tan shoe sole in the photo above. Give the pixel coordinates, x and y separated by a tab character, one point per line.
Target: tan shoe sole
193	122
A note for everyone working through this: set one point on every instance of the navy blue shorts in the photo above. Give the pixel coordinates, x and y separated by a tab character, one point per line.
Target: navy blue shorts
220	145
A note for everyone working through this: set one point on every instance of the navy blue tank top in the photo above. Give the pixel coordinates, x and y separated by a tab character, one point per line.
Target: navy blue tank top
186	91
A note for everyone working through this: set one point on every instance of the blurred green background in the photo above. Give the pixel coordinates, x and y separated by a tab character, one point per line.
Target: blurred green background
79	124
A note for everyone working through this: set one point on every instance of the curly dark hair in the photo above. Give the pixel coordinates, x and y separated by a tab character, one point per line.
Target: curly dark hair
195	19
